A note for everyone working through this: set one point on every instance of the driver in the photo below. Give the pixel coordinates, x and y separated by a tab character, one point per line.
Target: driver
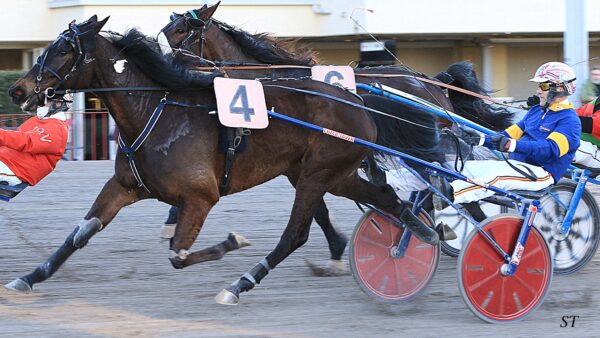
541	145
31	152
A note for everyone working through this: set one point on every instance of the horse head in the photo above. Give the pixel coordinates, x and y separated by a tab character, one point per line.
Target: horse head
61	65
183	28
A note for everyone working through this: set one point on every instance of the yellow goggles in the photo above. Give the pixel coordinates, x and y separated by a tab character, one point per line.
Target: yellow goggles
545	86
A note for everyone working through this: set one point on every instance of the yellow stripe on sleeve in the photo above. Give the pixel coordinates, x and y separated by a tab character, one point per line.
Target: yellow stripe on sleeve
561	142
514	131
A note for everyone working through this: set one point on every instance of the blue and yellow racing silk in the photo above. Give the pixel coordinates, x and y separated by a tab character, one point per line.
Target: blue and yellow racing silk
547	139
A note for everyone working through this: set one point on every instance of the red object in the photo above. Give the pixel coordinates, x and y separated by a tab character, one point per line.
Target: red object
588	110
375	268
491	295
33	150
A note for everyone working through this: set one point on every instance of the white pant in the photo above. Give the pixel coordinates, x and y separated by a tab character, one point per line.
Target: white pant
7	175
500	175
403	180
587	154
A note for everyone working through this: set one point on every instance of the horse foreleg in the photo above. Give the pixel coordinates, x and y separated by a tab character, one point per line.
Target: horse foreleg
309	193
234	241
111	199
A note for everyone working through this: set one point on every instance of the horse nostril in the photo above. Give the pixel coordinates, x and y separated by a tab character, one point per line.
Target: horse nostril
16	92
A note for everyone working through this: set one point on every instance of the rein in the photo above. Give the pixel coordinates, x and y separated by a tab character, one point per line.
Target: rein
441	84
422	79
335	98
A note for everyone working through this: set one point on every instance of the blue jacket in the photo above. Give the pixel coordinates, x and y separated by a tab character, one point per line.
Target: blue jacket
547	139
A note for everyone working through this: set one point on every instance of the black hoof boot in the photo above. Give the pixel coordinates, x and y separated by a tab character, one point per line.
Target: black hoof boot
418	228
445	232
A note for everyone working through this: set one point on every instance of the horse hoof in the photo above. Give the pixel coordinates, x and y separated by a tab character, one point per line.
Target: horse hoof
333	269
226	297
167	231
177	262
19	285
239	240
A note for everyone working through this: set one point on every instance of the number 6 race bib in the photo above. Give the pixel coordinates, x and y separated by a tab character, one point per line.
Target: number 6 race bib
241	103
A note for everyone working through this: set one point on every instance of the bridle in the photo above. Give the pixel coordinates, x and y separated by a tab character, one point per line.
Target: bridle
194	24
81	44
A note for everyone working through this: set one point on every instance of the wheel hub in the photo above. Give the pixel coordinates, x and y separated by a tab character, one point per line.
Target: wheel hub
556	228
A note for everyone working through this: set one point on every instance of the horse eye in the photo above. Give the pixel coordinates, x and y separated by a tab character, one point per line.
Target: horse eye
63	53
180	31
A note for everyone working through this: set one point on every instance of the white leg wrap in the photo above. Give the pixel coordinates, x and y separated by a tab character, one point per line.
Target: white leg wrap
183	254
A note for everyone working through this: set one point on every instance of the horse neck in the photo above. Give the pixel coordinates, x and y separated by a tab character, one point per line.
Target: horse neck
220	46
130	111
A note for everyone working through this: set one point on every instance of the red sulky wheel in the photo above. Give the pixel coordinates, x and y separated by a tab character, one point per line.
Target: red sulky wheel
374	267
491	296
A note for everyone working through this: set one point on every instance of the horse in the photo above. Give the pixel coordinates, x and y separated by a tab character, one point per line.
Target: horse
178	162
197	32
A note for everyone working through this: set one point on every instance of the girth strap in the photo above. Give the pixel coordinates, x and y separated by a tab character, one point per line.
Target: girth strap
234	139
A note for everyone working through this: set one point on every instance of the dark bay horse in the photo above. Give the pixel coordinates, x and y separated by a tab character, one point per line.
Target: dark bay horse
179	164
199	33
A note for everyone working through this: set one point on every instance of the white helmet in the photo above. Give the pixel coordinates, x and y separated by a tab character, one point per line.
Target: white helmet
557	73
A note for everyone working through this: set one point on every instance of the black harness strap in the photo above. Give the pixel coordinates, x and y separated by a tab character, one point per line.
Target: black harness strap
234	139
131	150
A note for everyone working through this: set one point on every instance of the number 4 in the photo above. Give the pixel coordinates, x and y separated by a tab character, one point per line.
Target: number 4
242	96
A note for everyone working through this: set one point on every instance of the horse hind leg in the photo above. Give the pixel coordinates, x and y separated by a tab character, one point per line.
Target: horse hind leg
111	199
309	193
336	241
384	198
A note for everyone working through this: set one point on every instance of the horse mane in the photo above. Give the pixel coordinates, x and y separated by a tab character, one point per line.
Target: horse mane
475	109
145	53
420	137
268	49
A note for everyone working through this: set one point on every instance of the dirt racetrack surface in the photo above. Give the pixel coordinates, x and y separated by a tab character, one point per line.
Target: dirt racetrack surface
122	285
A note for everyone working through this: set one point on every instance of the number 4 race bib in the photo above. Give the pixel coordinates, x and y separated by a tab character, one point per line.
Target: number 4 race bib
241	103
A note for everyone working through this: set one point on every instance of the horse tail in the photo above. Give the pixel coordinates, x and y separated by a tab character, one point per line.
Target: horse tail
414	132
461	74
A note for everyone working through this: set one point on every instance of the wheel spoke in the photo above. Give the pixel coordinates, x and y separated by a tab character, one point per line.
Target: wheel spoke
482	282
373	242
420	262
530	253
377	268
531	289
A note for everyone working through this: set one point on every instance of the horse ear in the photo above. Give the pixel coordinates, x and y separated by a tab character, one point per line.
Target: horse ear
94	18
98	26
207	13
